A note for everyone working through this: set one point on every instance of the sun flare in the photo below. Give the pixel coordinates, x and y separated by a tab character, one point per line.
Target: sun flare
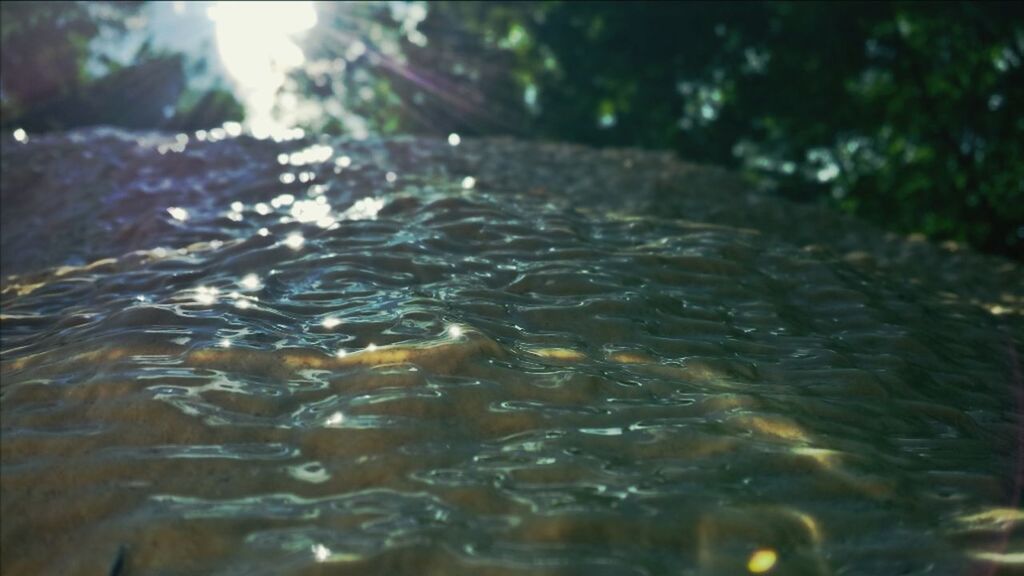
256	46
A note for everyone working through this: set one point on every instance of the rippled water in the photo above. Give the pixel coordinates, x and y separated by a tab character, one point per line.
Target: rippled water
403	357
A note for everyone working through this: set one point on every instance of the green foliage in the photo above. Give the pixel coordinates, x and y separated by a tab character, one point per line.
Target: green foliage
907	114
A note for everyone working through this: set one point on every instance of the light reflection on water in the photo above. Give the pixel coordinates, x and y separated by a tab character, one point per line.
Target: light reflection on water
495	380
294	240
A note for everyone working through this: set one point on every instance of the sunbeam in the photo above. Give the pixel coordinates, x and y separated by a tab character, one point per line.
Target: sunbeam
255	43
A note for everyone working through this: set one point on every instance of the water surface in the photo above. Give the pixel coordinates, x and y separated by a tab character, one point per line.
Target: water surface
405	357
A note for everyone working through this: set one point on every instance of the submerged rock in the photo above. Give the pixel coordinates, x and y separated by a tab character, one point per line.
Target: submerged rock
224	355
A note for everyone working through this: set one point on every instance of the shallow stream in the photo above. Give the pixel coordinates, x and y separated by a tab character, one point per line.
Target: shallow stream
230	356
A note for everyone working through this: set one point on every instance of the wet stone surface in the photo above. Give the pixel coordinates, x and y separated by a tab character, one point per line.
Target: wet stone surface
403	357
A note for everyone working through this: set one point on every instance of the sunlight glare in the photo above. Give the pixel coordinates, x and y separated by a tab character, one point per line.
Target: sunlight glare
255	45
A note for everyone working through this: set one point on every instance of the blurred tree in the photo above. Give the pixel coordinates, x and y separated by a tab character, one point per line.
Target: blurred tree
53	78
45	48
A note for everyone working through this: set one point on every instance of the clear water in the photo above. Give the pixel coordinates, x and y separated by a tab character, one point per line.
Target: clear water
495	358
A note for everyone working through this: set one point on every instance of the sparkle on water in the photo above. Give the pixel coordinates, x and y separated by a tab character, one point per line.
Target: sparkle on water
364	209
320	552
251	282
179	214
312	211
206	295
294	240
762	561
282	200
